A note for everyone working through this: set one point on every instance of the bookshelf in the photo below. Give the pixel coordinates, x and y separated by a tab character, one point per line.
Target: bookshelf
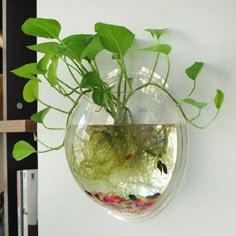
15	124
1	138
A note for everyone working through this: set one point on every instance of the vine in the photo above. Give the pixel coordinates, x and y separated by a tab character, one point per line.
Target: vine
78	53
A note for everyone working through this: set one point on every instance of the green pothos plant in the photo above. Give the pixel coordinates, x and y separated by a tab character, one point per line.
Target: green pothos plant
79	53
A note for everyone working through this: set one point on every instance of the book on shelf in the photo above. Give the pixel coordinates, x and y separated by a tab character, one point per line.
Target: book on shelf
19	185
27	202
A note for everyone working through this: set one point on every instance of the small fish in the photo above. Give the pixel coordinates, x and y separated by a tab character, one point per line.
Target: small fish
145	140
88	193
155	195
128	157
167	126
162	167
132	197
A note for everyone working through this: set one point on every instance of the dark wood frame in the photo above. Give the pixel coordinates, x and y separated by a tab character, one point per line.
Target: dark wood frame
15	13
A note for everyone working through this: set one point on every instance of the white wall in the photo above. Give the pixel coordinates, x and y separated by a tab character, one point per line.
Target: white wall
205	205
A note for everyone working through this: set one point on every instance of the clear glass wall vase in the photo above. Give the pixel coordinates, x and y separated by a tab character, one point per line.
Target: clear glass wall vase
133	168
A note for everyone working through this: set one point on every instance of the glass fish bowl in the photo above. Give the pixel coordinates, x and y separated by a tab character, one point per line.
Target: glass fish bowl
132	168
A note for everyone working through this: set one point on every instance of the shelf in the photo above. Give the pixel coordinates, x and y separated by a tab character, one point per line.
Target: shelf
1	40
17	126
14	126
16	123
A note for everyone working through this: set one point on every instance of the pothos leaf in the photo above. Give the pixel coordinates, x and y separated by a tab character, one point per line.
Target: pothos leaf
39	117
219	99
156	32
92	49
30	90
194	103
41	27
52	72
114	38
161	48
22	149
75	45
99	97
43	63
47	48
27	71
193	71
91	80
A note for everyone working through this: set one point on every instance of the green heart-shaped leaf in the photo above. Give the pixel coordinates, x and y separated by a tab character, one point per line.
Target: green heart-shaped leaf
47	48
22	150
30	90
43	63
52	72
27	71
219	99
39	117
91	80
161	48
194	103
99	97
193	71
114	38
93	48
75	45
40	27
156	32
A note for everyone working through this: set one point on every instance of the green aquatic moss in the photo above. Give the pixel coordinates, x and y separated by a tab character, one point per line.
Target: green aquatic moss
120	155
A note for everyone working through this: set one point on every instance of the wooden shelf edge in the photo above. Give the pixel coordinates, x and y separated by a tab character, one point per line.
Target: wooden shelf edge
17	126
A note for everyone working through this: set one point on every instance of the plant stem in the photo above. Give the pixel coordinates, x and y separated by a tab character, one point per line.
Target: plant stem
77	63
62	91
51	128
96	66
49	148
195	117
71	73
164	90
55	108
168	71
72	108
119	106
75	68
194	86
73	90
204	126
111	106
154	68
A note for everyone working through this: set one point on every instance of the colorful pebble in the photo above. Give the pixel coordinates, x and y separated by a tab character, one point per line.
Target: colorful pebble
132	204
